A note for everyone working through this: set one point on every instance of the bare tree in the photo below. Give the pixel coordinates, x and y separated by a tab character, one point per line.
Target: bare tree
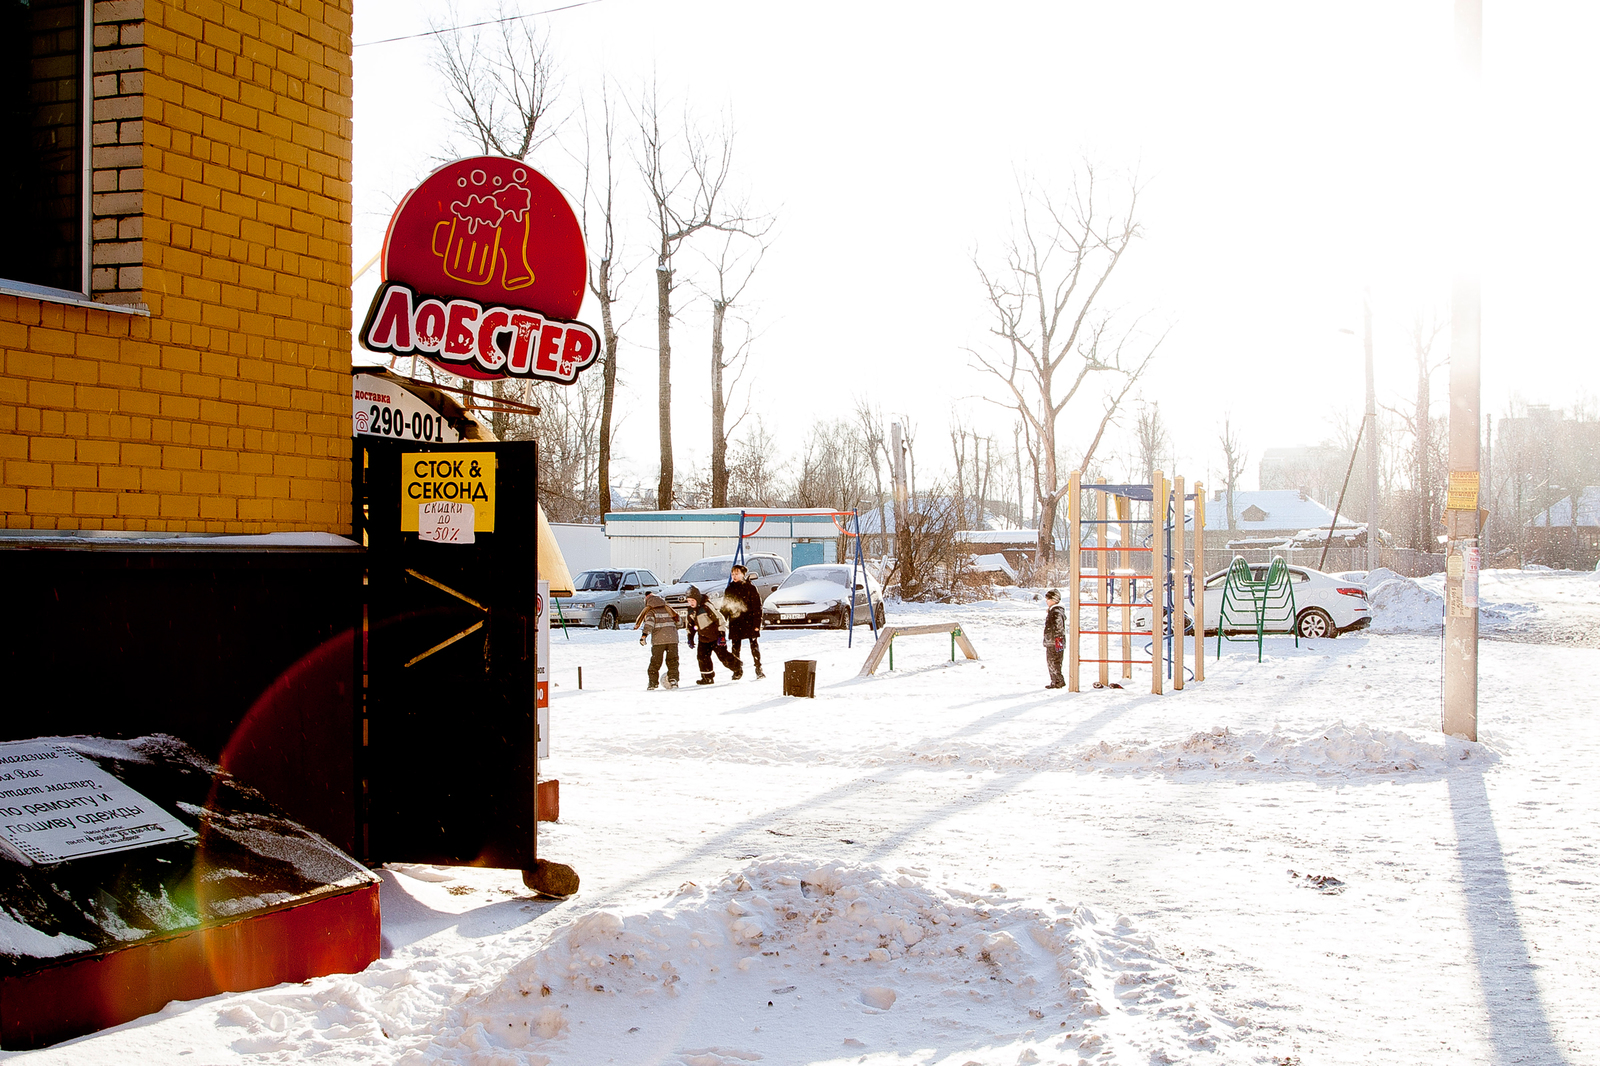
1151	436
500	84
1053	338
686	175
731	270
754	480
1426	460
1234	458
606	275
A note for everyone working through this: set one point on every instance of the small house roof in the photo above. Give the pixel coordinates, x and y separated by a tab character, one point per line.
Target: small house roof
1287	510
1560	512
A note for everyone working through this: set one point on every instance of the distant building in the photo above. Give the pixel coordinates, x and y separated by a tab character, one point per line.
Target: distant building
1559	537
1271	515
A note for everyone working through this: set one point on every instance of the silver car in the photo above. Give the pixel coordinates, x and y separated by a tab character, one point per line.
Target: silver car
607	598
711	574
820	595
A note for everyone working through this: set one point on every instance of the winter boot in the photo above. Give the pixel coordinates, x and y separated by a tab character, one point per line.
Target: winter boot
760	674
706	679
672	684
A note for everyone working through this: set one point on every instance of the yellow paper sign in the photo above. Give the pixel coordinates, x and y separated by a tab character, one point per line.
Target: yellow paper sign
447	477
1462	494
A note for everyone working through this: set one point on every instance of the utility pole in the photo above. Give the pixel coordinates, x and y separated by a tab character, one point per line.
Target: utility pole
1372	437
1462	519
897	453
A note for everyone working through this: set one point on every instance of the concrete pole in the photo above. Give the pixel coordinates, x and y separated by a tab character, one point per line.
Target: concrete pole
898	473
1372	438
1460	715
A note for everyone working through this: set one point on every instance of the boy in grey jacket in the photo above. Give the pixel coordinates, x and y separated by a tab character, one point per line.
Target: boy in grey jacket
707	624
660	625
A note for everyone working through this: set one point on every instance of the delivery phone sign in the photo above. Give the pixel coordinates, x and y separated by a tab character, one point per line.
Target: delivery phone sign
483	276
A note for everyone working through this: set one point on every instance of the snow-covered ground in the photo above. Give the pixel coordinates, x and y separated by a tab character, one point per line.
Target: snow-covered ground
1286	863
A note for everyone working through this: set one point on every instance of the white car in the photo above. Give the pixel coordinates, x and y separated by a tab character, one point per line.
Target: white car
1325	605
819	595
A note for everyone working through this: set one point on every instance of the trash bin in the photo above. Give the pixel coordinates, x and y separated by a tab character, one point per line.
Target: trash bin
800	678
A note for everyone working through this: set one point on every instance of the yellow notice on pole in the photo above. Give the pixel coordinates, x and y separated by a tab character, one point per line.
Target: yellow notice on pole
447	478
1462	494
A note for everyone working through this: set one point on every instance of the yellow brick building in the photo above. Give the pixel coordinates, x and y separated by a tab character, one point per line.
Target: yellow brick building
176	355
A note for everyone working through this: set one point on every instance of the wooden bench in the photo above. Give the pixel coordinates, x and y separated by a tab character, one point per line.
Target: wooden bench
884	648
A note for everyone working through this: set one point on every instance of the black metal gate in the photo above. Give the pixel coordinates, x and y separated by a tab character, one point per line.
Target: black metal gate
448	757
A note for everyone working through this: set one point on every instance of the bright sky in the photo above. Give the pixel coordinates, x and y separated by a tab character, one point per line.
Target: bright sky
1293	154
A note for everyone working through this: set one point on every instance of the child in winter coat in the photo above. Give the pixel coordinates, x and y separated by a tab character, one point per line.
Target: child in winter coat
660	625
707	624
1055	638
741	603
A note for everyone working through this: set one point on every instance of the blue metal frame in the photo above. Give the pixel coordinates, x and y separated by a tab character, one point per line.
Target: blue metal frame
858	564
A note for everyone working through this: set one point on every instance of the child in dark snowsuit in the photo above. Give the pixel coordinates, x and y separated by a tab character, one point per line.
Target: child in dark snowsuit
660	625
741	603
707	624
1055	637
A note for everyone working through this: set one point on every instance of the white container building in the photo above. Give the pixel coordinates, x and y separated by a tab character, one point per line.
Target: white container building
669	542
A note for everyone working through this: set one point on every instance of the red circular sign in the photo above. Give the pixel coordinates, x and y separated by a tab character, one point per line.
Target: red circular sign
493	230
483	276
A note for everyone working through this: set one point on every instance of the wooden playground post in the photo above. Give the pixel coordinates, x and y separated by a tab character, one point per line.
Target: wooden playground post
1074	512
1158	589
1199	581
1127	584
1102	588
1178	508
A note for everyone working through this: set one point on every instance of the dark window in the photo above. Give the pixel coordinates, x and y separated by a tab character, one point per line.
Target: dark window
41	142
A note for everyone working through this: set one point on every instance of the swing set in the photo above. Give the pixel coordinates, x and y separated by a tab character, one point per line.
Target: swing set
858	562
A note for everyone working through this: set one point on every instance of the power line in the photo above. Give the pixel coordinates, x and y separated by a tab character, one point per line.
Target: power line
476	25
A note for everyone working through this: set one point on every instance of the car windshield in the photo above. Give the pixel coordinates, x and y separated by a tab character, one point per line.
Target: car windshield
707	571
838	575
597	581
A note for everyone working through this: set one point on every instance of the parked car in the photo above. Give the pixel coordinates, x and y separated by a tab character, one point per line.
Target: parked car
607	598
1325	604
710	575
820	595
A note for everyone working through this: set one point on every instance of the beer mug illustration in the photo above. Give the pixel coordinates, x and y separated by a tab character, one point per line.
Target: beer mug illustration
487	230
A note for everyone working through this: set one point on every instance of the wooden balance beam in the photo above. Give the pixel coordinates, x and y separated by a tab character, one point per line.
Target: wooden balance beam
880	650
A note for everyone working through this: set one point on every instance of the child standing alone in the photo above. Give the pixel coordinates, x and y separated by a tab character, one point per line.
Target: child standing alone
1055	638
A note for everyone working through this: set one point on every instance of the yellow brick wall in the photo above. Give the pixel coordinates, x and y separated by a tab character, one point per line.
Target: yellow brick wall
227	409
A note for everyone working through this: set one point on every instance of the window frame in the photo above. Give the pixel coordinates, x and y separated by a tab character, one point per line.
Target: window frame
82	296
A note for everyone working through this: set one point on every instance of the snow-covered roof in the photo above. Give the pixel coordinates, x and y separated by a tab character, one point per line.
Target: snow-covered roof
873	521
1023	537
1281	509
1560	513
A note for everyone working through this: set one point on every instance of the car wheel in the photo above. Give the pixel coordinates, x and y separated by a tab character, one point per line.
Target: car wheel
841	619
879	615
1315	622
608	619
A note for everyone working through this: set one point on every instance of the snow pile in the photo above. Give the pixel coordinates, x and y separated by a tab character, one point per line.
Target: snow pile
828	960
1400	605
18	938
1339	749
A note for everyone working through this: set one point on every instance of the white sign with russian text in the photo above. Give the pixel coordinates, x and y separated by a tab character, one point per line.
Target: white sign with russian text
56	805
445	522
